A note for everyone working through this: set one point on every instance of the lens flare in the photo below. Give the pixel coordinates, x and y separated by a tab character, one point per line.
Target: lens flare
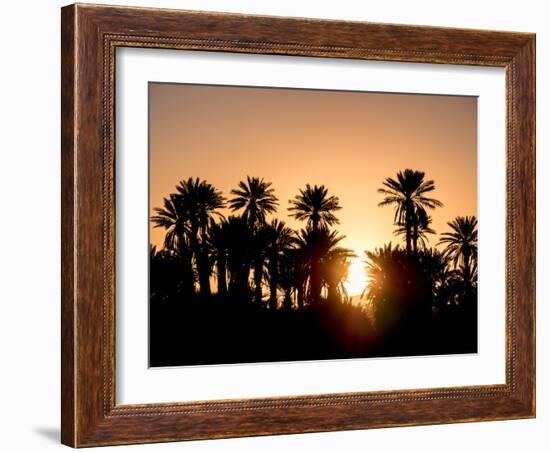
356	281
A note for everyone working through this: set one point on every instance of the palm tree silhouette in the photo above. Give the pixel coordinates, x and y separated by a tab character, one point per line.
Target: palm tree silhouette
166	276
420	228
316	206
239	236
172	218
200	200
279	238
257	199
401	288
316	245
259	243
461	246
290	278
407	194
175	220
335	271
218	241
435	266
377	264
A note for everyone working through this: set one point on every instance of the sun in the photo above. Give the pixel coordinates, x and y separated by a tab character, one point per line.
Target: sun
356	281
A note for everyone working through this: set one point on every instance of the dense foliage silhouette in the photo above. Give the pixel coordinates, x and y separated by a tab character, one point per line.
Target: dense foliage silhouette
248	288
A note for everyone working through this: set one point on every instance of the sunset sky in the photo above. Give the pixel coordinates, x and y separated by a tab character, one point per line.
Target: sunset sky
348	141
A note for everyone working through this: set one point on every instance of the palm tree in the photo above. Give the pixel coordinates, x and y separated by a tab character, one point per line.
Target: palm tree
335	271
316	206
407	194
279	238
377	265
316	245
259	243
461	246
172	218
257	199
294	273
165	275
435	267
420	229
218	241
239	236
201	201
289	278
398	289
175	220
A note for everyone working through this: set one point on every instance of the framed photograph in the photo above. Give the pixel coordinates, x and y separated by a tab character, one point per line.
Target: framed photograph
281	225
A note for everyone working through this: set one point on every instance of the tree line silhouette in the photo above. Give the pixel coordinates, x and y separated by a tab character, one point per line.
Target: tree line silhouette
248	288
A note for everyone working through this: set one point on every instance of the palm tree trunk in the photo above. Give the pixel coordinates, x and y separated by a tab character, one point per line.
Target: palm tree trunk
315	283
273	282
204	281
315	224
222	281
466	271
188	279
415	238
300	296
203	267
258	274
408	232
287	302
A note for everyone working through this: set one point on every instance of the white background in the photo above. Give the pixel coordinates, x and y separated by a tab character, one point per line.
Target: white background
29	187
138	384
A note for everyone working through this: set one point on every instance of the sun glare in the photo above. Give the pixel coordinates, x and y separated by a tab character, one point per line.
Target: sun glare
356	280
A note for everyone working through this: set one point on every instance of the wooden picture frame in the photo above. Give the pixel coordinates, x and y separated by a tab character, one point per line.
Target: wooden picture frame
90	36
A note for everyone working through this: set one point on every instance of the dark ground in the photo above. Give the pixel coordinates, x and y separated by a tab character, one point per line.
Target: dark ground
218	332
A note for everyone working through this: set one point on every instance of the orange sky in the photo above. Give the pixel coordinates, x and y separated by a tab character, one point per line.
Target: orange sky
348	141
